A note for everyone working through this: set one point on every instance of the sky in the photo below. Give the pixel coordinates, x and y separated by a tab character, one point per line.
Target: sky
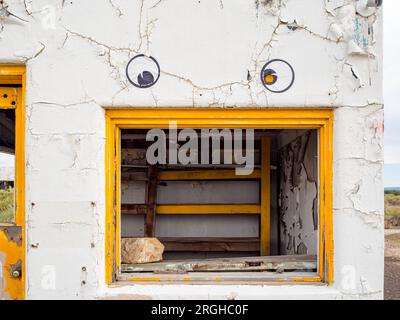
392	175
391	80
391	92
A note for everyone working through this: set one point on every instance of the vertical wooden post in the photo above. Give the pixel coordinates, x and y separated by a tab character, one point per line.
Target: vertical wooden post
265	217
151	199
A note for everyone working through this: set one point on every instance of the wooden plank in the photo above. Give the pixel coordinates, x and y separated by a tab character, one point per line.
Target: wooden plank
193	209
14	81
265	220
127	177
149	228
221	174
181	175
211	244
134	208
275	264
208	209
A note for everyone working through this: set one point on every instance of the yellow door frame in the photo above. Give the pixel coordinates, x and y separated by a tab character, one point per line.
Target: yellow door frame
263	118
14	75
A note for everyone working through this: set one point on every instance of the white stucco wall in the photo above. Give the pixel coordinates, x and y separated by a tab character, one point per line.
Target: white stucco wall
211	53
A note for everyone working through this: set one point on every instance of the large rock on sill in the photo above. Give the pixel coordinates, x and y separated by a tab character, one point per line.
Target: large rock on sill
141	250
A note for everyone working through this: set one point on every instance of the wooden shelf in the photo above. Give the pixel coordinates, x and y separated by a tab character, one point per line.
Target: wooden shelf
216	174
211	244
193	209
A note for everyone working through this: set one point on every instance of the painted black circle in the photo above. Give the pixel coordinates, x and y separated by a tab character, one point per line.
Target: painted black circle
265	67
146	78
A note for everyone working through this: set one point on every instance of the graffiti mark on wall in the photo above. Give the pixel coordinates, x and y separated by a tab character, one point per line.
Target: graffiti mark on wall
277	76
143	71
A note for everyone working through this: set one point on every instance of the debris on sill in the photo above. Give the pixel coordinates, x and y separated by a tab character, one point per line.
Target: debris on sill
141	250
277	264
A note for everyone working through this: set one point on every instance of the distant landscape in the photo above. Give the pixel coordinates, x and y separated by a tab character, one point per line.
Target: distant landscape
392	243
6	205
392	208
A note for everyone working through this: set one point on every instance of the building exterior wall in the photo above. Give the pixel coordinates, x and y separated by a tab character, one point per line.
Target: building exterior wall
210	53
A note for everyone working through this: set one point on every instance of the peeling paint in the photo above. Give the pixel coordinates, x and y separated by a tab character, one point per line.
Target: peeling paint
76	63
13	234
297	198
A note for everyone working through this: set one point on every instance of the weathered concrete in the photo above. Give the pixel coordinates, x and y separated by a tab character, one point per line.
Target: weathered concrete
211	54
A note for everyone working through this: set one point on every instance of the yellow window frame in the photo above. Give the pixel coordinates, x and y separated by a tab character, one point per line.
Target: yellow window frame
15	75
320	119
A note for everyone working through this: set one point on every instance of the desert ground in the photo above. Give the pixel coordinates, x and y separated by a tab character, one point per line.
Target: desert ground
392	264
392	245
6	205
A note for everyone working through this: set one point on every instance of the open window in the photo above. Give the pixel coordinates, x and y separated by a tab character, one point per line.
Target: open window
231	202
7	162
12	182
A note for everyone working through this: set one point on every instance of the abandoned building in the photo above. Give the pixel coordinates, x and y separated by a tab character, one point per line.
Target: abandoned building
178	149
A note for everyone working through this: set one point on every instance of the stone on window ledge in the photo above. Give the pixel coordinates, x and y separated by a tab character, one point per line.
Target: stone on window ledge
141	250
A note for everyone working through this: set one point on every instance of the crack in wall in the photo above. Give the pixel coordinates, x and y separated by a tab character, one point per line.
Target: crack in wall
34	55
28	7
147	26
117	8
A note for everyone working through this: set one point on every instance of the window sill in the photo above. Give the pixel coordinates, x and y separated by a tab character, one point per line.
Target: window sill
222	278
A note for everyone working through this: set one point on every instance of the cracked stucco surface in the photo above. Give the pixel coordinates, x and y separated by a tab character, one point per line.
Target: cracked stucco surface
211	53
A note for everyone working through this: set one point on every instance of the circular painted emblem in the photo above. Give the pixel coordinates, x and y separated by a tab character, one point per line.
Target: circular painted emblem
143	71
277	76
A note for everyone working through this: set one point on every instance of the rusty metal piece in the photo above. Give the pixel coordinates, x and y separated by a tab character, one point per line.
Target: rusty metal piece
16	274
151	199
13	234
16	269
